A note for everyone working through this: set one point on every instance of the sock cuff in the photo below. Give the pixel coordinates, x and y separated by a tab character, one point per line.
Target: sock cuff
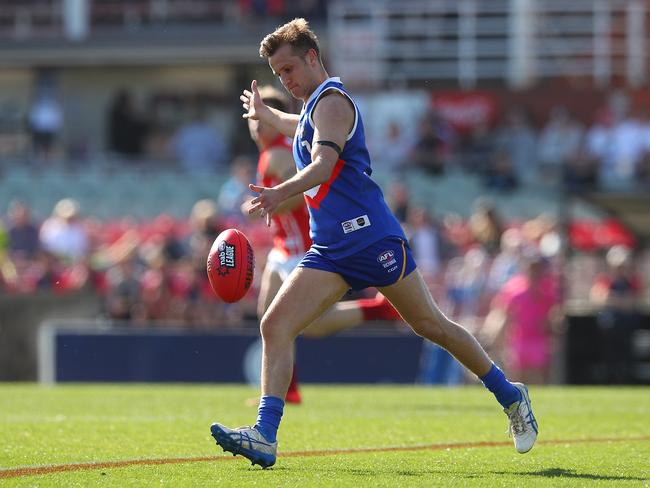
494	371
271	401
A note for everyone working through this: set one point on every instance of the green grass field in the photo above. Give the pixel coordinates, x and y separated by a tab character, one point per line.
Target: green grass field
361	436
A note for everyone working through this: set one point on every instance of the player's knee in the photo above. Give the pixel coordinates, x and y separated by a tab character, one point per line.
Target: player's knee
266	328
273	330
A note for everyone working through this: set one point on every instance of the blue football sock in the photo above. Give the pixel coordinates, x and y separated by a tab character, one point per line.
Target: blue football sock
269	414
505	392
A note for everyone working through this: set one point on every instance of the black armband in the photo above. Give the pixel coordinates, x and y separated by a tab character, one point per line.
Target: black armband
331	144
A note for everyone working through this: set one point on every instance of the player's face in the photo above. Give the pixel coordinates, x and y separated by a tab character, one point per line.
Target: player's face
295	72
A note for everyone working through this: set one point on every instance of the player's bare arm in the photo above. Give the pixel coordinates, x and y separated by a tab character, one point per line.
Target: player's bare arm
333	119
255	109
282	165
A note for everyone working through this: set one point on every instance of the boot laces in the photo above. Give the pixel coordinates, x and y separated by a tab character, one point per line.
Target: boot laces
517	423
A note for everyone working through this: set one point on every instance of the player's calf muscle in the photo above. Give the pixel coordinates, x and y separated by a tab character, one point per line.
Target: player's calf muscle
432	329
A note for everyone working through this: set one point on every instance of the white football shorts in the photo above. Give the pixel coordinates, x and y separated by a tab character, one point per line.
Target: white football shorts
282	264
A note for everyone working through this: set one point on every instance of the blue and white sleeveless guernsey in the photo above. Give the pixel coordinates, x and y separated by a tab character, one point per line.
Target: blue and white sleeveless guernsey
348	212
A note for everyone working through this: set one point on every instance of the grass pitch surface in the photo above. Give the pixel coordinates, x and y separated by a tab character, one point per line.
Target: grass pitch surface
158	435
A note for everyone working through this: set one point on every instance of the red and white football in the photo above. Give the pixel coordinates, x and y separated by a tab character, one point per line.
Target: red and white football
231	265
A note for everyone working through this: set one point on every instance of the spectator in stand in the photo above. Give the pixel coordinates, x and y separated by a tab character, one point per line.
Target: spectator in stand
424	239
234	191
47	273
630	144
399	200
459	234
534	230
182	283
63	233
559	142
432	145
507	262
23	232
518	139
203	306
599	140
644	120
155	288
198	146
392	150
173	246
465	280
643	173
617	294
123	292
643	169
45	119
127	128
478	149
519	322
500	175
580	173
486	226
205	227
618	146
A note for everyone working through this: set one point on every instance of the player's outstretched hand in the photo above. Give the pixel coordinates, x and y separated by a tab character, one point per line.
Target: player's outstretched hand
252	102
266	202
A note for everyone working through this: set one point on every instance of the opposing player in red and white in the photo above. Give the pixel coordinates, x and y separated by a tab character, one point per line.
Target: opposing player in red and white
290	227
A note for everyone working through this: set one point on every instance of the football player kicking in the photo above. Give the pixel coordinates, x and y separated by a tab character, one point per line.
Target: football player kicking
290	227
351	227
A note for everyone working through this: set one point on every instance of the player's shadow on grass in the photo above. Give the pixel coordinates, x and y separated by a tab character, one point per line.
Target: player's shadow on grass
570	473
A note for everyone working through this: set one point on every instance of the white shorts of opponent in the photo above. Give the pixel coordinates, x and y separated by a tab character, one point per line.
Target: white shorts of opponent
281	263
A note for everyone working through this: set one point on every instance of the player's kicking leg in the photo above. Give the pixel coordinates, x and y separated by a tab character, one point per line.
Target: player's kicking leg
297	304
413	300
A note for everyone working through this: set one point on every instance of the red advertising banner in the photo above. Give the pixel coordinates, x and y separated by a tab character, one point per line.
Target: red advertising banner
465	109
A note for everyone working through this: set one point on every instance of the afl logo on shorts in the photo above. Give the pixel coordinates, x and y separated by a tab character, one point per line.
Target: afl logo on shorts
386	256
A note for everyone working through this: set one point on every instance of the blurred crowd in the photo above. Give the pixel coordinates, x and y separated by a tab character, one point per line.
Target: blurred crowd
146	272
610	151
506	281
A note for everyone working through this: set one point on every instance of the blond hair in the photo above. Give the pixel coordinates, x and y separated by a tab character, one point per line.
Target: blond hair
295	33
